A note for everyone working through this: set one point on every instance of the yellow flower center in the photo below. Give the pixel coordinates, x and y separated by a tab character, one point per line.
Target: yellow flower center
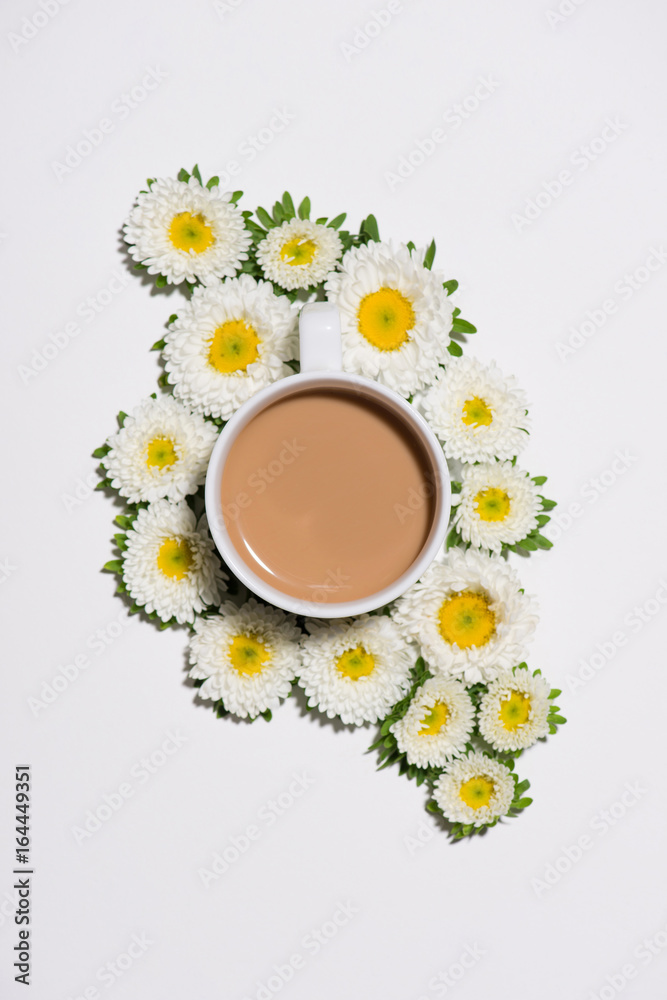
466	620
233	347
492	504
514	711
476	412
175	558
191	232
476	792
356	663
385	319
298	251
248	655
160	453
434	720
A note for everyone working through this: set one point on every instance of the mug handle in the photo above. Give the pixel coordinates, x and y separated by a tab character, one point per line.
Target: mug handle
320	345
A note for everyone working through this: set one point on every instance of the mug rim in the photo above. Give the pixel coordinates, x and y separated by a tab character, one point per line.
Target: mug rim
213	503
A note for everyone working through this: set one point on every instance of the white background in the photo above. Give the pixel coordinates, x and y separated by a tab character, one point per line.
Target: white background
351	836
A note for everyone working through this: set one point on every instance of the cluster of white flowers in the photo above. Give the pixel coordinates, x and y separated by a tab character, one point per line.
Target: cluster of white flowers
468	616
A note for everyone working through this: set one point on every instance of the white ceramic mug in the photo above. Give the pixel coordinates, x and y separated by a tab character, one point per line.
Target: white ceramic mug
321	367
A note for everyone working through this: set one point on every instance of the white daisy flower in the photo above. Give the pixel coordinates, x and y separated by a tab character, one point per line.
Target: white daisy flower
395	316
232	339
247	656
477	412
513	713
162	450
469	616
299	254
475	789
355	668
170	565
184	231
498	505
438	723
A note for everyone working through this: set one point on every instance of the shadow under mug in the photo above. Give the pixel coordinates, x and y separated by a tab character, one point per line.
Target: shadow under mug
321	368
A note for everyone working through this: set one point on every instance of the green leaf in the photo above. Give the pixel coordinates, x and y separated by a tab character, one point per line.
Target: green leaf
450	286
140	267
539	480
522	803
528	544
268	714
522	787
183	175
548	504
172	319
123	521
159	345
195	173
304	208
429	256
278	214
160	281
558	719
121	541
542	519
555	692
121	418
288	205
264	218
214	182
454	349
542	542
163	380
338	221
101	451
462	326
113	566
370	227
235	197
453	538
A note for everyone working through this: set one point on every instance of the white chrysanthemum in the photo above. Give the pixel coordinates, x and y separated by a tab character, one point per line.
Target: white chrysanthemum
498	505
246	656
355	668
477	412
395	316
299	254
229	341
162	450
170	565
475	789
469	615
513	713
184	231
438	723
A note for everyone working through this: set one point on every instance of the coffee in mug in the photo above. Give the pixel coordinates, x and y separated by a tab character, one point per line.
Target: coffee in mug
327	495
